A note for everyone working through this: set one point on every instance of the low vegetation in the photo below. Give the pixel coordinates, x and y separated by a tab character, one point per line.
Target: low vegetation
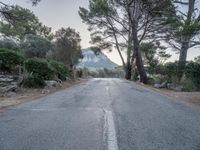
10	60
38	70
169	73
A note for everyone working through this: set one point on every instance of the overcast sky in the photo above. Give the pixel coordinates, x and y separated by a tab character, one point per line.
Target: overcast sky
64	13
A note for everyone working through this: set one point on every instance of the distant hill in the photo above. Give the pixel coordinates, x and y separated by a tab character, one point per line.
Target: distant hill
95	62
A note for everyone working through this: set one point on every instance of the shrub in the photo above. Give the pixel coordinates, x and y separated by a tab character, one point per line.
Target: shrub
151	81
188	85
192	72
40	68
60	69
171	71
34	82
10	60
159	78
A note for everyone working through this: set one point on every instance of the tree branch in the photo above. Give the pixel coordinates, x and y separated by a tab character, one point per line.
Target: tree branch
180	2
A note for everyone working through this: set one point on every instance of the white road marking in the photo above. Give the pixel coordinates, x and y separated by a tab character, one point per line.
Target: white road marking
111	132
107	88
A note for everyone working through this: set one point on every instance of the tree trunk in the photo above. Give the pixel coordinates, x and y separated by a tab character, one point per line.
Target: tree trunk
182	59
128	68
116	42
138	56
183	52
128	71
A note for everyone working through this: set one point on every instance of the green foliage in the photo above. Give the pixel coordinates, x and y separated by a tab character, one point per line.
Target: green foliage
21	21
34	82
192	72
40	68
189	29
10	60
153	55
171	71
100	7
188	85
47	70
60	69
35	46
100	23
159	78
9	44
168	71
67	45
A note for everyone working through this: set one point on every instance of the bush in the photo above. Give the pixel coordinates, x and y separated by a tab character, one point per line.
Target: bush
188	85
192	72
60	69
158	79
40	68
34	82
171	71
10	60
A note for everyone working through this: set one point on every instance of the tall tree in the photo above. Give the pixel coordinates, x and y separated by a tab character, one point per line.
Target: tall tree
67	46
105	24
185	28
145	17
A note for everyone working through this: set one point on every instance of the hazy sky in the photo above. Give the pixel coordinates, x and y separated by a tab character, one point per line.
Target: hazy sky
64	13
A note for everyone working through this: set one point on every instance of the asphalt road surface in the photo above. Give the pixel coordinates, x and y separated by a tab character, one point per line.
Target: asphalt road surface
101	114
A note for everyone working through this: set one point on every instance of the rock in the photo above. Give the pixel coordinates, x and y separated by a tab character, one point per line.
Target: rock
157	86
67	78
4	91
51	83
13	83
163	85
174	87
45	91
9	88
10	94
170	85
6	80
8	85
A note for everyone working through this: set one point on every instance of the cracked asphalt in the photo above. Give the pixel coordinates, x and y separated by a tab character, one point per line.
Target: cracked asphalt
74	119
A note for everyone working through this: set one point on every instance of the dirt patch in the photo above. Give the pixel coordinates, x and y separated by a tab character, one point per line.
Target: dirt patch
26	95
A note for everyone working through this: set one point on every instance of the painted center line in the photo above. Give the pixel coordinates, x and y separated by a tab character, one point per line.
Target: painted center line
111	132
107	88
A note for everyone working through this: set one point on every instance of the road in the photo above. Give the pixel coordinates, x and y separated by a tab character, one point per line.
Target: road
101	114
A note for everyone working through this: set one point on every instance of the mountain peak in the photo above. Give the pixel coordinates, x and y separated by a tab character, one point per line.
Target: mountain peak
94	61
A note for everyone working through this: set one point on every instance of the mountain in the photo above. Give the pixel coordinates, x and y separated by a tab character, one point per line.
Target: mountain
94	61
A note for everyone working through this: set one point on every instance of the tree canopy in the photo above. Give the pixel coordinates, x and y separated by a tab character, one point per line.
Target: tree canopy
18	22
67	46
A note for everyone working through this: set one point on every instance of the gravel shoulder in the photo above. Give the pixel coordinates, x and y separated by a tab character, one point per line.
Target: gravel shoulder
191	98
24	95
